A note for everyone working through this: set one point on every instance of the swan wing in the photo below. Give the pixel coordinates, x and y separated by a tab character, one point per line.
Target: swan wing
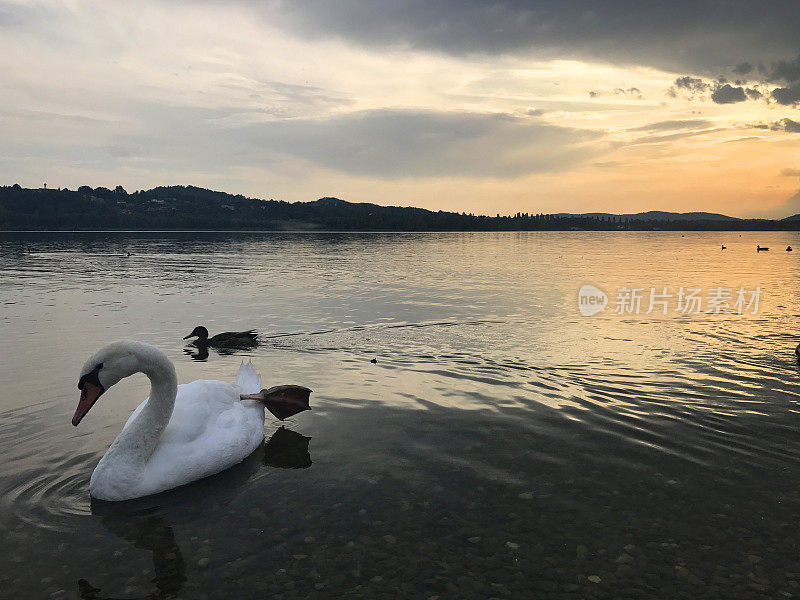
210	430
247	379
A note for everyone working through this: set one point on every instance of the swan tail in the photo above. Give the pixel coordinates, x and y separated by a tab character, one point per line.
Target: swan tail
248	379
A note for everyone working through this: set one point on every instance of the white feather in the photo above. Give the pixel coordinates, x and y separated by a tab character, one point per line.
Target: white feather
248	379
207	431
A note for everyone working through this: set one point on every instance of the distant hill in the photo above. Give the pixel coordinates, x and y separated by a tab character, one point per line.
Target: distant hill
658	215
189	207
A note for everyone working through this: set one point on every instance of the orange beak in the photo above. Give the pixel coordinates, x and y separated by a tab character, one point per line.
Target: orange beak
89	395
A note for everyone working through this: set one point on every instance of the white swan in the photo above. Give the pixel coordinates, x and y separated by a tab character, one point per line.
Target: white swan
181	433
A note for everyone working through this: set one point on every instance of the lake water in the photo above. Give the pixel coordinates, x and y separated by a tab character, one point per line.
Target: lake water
503	444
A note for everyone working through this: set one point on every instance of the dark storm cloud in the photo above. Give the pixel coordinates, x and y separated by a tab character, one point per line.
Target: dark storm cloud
721	91
727	94
743	68
698	36
675	125
788	96
785	70
692	84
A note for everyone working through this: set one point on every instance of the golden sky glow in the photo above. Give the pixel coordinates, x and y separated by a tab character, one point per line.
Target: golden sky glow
232	98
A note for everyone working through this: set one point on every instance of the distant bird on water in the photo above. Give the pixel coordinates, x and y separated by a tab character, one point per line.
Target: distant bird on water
761	248
724	246
228	339
788	248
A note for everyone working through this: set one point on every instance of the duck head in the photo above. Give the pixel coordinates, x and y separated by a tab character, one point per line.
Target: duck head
106	368
198	332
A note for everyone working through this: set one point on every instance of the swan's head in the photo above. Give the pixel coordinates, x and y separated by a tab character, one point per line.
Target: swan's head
110	364
198	332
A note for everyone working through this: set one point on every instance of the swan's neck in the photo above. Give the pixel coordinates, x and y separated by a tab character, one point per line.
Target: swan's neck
138	440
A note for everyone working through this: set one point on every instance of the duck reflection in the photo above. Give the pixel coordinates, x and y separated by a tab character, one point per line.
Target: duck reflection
287	449
148	522
199	352
196	352
225	343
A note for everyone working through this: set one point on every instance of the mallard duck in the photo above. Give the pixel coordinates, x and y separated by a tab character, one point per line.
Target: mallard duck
228	339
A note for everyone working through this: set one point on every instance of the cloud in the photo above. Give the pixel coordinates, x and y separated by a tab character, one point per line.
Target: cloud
743	68
784	70
693	84
232	95
372	144
671	137
787	125
789	208
675	124
788	96
727	94
415	143
790	172
723	92
676	35
791	126
632	91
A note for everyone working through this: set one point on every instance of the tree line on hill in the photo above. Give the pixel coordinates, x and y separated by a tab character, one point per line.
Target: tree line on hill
189	207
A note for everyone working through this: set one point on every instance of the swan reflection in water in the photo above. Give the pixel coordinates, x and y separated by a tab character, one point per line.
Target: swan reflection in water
287	449
149	532
149	522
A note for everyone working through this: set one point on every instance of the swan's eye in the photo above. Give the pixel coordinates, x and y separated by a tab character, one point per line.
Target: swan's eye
91	377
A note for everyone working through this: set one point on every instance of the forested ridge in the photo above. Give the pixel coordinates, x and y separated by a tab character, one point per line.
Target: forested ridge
189	207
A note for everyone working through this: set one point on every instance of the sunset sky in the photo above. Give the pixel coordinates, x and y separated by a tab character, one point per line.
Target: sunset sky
472	106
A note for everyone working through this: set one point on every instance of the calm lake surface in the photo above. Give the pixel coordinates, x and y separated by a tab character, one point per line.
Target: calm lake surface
503	445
